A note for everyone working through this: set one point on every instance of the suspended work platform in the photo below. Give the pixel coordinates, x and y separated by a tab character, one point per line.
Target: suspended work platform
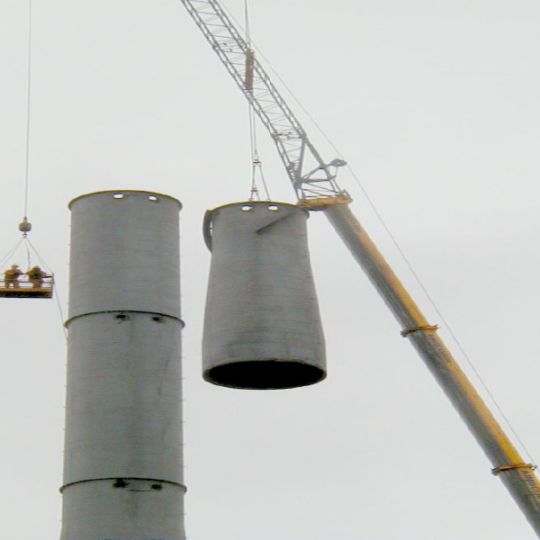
25	289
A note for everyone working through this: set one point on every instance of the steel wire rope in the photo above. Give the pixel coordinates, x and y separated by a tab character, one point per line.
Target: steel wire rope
11	252
254	192
405	259
60	312
56	295
26	246
439	313
28	108
246	22
256	163
263	180
39	256
27	134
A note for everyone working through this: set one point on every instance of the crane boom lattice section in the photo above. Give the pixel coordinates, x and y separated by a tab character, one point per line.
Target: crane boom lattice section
310	175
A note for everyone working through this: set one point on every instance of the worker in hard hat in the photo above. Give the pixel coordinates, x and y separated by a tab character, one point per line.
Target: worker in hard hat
11	276
36	276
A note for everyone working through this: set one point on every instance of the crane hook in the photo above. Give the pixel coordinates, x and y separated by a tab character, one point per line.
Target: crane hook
25	226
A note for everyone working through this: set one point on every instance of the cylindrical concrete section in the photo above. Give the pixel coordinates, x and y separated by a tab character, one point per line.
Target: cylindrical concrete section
124	253
262	327
123	466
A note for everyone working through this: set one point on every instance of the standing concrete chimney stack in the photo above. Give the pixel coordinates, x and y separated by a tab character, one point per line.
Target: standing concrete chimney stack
123	477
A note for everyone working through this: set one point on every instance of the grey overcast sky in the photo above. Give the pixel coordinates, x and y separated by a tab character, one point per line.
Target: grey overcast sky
435	105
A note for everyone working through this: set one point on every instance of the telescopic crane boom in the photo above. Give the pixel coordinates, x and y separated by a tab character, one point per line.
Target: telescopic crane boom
314	182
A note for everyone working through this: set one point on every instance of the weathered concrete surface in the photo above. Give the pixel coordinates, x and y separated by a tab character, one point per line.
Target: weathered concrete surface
123	475
262	325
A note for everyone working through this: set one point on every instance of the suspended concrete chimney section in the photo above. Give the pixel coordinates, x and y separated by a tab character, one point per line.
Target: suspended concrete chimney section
262	327
123	477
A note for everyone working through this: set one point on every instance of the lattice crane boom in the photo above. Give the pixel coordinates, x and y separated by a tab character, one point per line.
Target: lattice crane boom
310	175
316	189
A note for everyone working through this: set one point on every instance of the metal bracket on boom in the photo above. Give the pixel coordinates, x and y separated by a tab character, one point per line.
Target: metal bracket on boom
506	468
324	202
428	328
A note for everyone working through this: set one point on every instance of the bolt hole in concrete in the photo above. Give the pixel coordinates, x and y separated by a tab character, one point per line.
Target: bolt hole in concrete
273	208
152	198
118	196
157	487
157	318
120	483
122	317
247	208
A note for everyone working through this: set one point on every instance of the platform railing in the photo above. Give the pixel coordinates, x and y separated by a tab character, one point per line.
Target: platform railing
25	283
23	287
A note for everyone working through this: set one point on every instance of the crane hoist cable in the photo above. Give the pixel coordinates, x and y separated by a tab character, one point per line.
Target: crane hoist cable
35	282
256	163
25	225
